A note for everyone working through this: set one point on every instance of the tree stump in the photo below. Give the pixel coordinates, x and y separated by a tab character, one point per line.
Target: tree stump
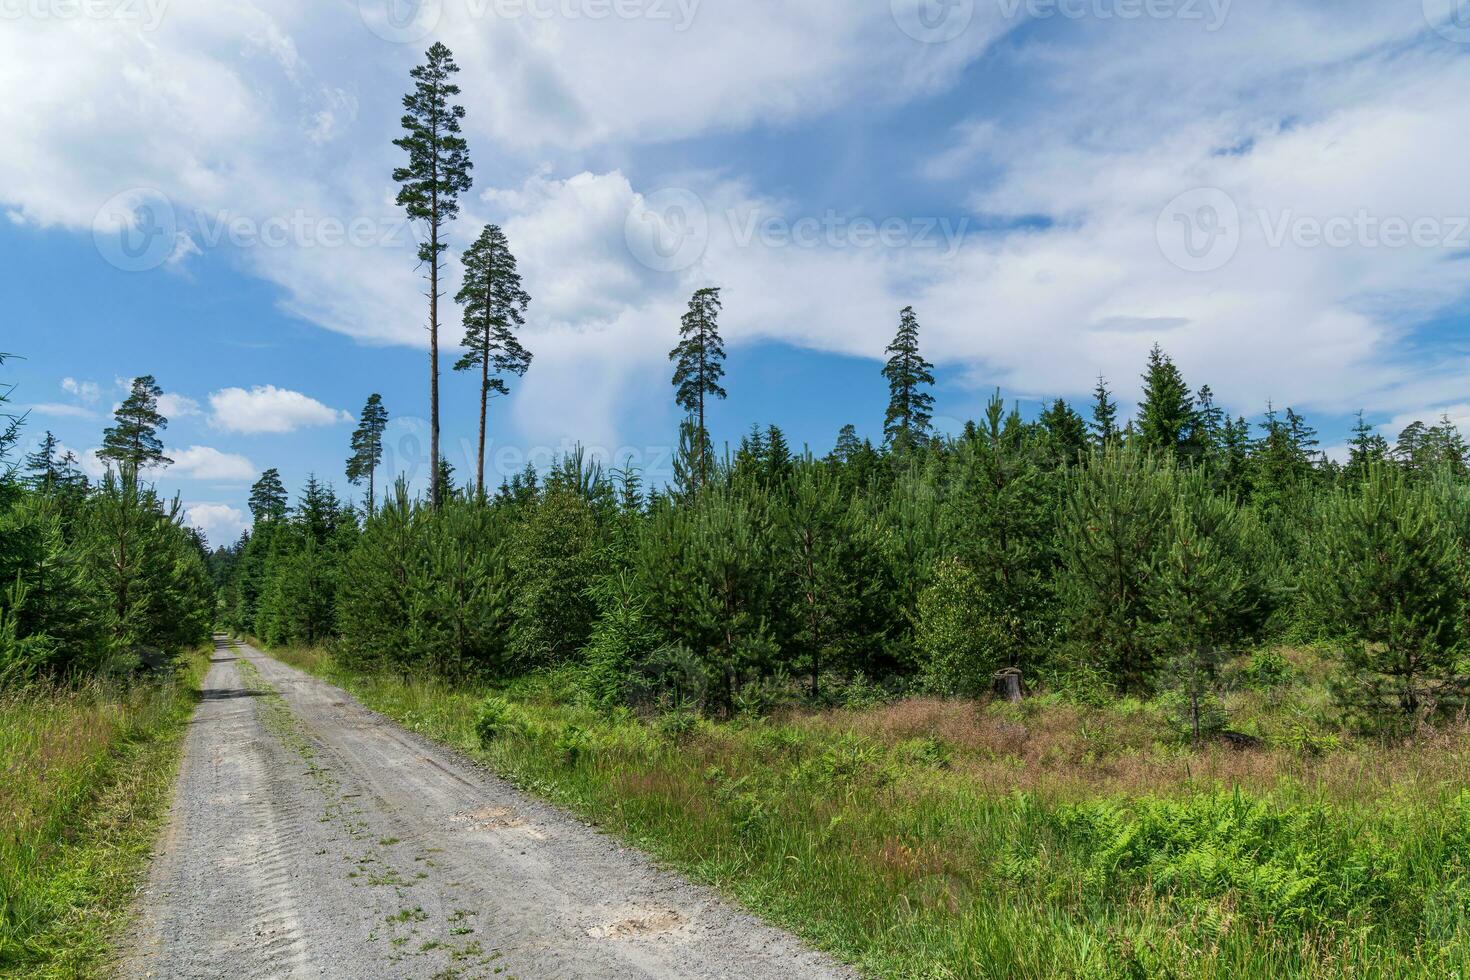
1008	684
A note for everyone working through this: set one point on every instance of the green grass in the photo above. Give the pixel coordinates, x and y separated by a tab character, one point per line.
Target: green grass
86	779
948	839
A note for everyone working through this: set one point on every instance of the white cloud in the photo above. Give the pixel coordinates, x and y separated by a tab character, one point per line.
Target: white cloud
208	463
61	410
172	406
1293	106
268	409
88	392
222	524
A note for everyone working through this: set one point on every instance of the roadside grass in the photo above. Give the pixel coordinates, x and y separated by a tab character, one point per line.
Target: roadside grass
933	838
85	775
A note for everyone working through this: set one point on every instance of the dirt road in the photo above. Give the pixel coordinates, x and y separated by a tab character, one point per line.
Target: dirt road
311	837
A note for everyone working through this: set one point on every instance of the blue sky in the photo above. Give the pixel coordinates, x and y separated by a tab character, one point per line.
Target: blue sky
1273	190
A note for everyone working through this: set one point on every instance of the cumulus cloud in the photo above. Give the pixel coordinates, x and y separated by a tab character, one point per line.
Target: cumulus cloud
173	406
60	410
268	409
222	524
1297	110
87	392
208	463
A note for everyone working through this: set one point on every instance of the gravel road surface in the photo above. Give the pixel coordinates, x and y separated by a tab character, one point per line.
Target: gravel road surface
311	837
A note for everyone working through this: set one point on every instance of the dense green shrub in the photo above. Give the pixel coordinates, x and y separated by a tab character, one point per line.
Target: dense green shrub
1387	576
959	640
496	718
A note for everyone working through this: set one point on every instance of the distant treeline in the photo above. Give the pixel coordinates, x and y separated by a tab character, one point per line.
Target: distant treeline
1098	556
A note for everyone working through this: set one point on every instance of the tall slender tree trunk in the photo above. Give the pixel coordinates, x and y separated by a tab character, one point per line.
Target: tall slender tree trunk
436	492
485	374
484	408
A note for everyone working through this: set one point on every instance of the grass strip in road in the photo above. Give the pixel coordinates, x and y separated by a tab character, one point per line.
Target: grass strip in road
889	844
85	781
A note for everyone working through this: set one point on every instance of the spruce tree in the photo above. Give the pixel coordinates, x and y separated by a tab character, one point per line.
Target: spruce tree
494	308
1366	450
268	499
910	404
778	457
367	447
698	367
1166	416
438	172
1210	422
848	444
133	443
1104	416
44	466
1066	433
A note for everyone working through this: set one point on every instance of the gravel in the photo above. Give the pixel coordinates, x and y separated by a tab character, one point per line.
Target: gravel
311	837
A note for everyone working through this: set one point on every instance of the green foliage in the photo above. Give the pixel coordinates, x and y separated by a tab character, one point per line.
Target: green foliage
367	447
960	643
699	364
1113	529
909	377
1166	416
1387	578
497	718
1299	867
554	563
494	309
1205	594
132	442
1267	669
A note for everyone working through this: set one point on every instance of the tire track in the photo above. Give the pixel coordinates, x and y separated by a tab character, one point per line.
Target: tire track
311	837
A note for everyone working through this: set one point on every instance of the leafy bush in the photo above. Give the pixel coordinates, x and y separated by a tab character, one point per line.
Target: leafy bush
574	743
677	725
1267	669
495	719
960	644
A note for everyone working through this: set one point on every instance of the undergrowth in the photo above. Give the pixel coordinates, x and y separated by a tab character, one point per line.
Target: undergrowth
85	774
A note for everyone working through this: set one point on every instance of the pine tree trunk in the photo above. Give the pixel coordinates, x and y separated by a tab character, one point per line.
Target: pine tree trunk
435	490
484	407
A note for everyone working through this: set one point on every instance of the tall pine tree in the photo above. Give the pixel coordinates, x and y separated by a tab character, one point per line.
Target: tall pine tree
268	499
133	443
438	172
698	367
367	447
909	377
494	308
